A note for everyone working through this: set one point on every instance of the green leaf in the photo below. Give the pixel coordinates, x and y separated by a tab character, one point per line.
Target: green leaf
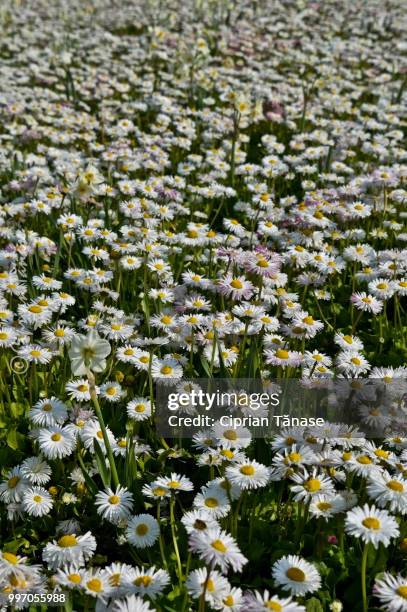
314	605
89	482
206	367
224	372
15	440
101	463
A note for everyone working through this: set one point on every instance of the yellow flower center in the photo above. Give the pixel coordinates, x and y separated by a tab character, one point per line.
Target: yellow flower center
142	581
282	354
308	320
158	491
75	578
247	470
166	370
35	309
229	434
364	460
13	482
114	500
37	499
142	529
371	522
174	484
211	502
402	591
324	506
8	556
395	485
312	485
95	585
67	541
56	437
115	580
273	605
295	574
381	453
294	457
236	283
219	546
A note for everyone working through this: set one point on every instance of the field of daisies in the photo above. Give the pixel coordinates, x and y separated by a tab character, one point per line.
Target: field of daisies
200	189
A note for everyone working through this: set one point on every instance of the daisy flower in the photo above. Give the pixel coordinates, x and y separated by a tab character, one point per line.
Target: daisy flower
198	520
8	336
239	437
368	303
148	583
69	548
34	353
79	390
259	602
96	584
212	500
348	342
371	525
248	474
48	412
175	483
392	592
111	392
296	575
217	547
142	530
166	368
325	506
71	576
114	506
387	490
217	586
91	431
36	470
236	287
37	501
352	363
13	487
56	442
310	484
131	603
283	358
139	409
232	600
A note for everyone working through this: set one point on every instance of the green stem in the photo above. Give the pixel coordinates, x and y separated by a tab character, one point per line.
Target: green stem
99	415
363	576
174	537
